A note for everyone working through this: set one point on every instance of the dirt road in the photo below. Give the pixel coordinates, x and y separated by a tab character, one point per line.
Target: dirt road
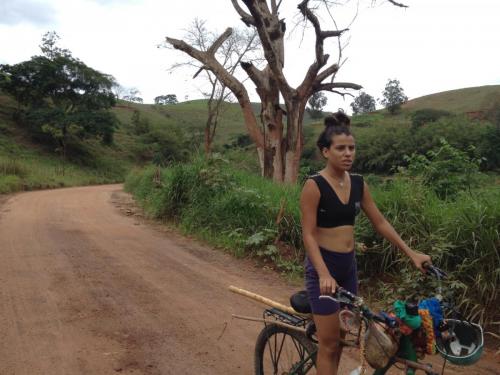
86	289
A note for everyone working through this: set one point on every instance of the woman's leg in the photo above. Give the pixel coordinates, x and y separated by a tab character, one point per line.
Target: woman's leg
328	333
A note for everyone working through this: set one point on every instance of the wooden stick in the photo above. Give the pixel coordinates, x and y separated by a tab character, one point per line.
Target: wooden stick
267	301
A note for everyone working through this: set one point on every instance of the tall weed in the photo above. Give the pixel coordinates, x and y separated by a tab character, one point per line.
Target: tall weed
253	216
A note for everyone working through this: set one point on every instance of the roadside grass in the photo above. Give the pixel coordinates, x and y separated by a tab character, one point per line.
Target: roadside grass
28	171
250	216
27	166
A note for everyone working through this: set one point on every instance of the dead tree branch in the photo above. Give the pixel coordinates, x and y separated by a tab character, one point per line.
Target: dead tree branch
398	4
245	17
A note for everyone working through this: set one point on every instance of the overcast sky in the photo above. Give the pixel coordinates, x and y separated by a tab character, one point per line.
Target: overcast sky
434	45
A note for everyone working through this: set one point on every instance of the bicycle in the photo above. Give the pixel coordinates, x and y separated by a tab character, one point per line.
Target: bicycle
287	343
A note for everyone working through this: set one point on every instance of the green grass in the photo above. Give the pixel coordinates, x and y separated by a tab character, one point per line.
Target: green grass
191	116
251	216
102	164
469	99
24	165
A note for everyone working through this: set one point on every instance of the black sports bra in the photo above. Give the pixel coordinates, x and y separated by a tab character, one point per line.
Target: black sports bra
332	212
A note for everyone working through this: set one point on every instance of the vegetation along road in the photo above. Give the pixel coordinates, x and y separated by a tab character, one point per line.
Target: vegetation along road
89	287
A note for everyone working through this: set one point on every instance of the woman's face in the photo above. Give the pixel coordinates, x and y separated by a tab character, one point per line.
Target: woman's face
341	153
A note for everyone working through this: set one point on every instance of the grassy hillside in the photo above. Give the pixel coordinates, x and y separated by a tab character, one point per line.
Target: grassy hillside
469	99
191	116
383	139
25	165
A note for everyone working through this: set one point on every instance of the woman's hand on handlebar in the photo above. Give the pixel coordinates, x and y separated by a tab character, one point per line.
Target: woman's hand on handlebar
327	285
420	260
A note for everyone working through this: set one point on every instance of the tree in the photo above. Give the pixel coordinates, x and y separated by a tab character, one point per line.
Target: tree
63	98
133	96
317	101
279	148
240	44
118	90
363	103
166	99
394	96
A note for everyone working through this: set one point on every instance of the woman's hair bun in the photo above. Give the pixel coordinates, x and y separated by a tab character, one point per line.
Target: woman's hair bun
335	124
337	119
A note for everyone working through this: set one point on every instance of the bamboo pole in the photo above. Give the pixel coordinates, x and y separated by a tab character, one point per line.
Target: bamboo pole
267	301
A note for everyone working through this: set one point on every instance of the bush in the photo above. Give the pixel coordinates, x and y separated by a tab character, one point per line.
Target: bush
382	148
427	115
10	184
254	216
12	167
446	170
461	236
231	208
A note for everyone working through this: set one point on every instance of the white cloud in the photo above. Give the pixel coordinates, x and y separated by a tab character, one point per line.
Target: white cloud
430	47
13	12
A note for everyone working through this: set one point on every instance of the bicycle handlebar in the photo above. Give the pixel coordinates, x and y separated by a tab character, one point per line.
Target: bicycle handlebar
342	295
433	270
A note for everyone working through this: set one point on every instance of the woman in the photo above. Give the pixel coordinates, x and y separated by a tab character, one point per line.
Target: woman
329	202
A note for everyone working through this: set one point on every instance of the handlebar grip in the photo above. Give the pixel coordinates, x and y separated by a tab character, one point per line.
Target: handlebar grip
427	266
431	269
345	293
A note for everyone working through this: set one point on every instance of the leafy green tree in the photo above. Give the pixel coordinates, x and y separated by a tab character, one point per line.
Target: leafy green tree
60	98
317	102
133	96
393	96
166	99
363	103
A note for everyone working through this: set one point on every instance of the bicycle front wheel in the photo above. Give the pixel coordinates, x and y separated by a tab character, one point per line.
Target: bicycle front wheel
280	350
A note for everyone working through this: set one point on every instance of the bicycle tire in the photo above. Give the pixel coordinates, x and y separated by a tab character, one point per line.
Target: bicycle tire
292	359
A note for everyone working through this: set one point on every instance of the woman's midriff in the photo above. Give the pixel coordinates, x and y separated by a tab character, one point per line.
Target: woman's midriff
340	239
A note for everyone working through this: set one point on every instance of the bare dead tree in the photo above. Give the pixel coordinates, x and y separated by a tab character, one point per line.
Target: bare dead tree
238	45
279	148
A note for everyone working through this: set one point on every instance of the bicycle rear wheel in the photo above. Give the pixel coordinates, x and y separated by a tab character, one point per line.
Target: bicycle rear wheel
280	350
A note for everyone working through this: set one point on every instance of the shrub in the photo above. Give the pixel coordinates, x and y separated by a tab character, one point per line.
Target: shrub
12	167
10	184
461	236
254	216
427	115
446	170
382	147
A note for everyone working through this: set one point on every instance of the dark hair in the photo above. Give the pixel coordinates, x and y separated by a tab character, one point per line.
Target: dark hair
335	124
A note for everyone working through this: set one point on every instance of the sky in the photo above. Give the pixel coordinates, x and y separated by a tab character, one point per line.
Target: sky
431	46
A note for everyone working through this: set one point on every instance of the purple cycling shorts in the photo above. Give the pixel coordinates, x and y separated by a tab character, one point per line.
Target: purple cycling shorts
342	267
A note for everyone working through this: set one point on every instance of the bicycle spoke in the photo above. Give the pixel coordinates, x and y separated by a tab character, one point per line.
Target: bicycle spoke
287	355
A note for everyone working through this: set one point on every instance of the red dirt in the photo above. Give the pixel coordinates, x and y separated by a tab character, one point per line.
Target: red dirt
87	286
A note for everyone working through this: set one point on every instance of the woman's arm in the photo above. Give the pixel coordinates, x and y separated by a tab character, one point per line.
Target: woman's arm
309	200
385	229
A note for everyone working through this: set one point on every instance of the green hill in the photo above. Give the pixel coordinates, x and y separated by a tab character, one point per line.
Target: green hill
191	116
27	165
470	99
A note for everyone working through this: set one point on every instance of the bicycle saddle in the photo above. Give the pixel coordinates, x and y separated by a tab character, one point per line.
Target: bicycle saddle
300	302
